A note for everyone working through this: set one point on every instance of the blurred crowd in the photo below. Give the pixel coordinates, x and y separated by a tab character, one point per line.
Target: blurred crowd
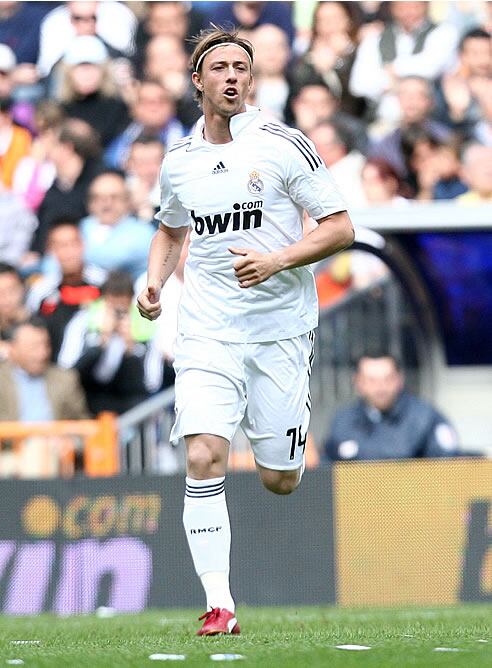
396	96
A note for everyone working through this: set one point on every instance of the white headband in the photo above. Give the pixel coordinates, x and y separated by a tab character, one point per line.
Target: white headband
216	46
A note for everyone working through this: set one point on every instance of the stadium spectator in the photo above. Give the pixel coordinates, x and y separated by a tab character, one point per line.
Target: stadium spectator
439	172
113	238
75	155
113	349
166	61
57	297
458	93
154	114
31	388
477	174
19	29
410	45
249	15
17	226
345	164
331	53
21	107
418	148
12	307
7	66
113	22
142	169
174	19
486	22
387	422
15	142
371	17
35	172
415	99
315	103
381	183
272	56
88	89
482	132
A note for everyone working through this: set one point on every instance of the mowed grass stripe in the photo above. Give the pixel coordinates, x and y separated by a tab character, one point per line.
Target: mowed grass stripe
286	637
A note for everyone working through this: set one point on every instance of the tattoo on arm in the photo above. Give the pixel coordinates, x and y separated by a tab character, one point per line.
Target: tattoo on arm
167	256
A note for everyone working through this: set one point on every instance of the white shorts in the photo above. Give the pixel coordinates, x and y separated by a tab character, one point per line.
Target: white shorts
264	387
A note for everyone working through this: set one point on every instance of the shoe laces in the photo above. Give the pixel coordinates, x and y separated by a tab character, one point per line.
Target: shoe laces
215	612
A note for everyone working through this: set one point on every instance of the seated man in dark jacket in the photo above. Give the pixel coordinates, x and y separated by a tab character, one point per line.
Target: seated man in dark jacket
387	422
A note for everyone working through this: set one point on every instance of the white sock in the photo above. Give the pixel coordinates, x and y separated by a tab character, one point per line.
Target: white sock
206	522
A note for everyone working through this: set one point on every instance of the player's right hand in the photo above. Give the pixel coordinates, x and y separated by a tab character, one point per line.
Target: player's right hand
148	302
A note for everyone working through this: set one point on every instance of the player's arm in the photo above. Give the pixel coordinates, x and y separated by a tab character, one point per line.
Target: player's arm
165	250
333	233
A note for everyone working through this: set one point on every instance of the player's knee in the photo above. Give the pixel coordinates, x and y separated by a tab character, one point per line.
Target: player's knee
205	458
280	482
201	460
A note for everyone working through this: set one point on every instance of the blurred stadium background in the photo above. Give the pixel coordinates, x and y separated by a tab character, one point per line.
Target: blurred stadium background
91	508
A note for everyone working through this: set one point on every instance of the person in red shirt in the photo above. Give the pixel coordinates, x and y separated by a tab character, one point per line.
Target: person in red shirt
58	297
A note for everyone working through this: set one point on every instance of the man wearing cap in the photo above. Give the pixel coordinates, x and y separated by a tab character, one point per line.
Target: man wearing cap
249	306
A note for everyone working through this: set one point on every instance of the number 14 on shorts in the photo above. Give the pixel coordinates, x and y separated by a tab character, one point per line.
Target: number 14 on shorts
297	440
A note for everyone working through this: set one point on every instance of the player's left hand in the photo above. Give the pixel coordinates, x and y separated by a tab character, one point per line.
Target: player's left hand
254	267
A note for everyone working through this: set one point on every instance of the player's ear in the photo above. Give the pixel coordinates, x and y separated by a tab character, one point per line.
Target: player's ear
195	77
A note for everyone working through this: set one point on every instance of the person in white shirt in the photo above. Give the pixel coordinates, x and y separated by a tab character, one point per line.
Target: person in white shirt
249	304
113	22
410	45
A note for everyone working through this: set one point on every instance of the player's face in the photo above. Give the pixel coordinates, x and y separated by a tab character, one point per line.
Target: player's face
225	80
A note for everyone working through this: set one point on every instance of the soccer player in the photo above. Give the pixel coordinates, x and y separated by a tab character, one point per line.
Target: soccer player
249	304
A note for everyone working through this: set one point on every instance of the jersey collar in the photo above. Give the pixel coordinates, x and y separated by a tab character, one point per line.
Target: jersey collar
237	124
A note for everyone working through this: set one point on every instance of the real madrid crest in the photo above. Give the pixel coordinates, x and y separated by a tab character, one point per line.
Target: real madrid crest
255	184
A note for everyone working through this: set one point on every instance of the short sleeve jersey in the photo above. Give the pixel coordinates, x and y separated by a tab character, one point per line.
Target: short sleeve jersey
249	193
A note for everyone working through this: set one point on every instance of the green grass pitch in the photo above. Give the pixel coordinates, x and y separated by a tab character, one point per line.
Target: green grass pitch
286	637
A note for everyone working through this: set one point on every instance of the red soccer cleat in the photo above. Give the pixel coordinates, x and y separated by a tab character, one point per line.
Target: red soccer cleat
218	620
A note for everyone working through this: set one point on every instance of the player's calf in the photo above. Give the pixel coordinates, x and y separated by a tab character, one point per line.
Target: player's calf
280	482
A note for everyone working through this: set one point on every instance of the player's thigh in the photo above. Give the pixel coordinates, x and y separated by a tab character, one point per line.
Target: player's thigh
209	388
278	402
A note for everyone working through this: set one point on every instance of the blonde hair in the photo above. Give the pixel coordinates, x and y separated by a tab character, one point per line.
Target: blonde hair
67	94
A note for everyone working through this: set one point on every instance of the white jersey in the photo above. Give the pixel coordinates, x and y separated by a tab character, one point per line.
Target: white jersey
249	193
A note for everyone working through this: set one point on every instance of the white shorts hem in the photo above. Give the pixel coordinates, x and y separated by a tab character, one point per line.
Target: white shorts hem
276	467
192	431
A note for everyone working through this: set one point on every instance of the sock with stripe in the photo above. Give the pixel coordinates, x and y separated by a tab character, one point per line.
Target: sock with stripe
206	522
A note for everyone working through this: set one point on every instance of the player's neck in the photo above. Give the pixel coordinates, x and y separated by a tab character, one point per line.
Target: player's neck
217	129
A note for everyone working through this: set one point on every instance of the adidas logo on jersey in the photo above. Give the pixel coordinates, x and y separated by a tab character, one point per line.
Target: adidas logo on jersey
245	216
220	168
